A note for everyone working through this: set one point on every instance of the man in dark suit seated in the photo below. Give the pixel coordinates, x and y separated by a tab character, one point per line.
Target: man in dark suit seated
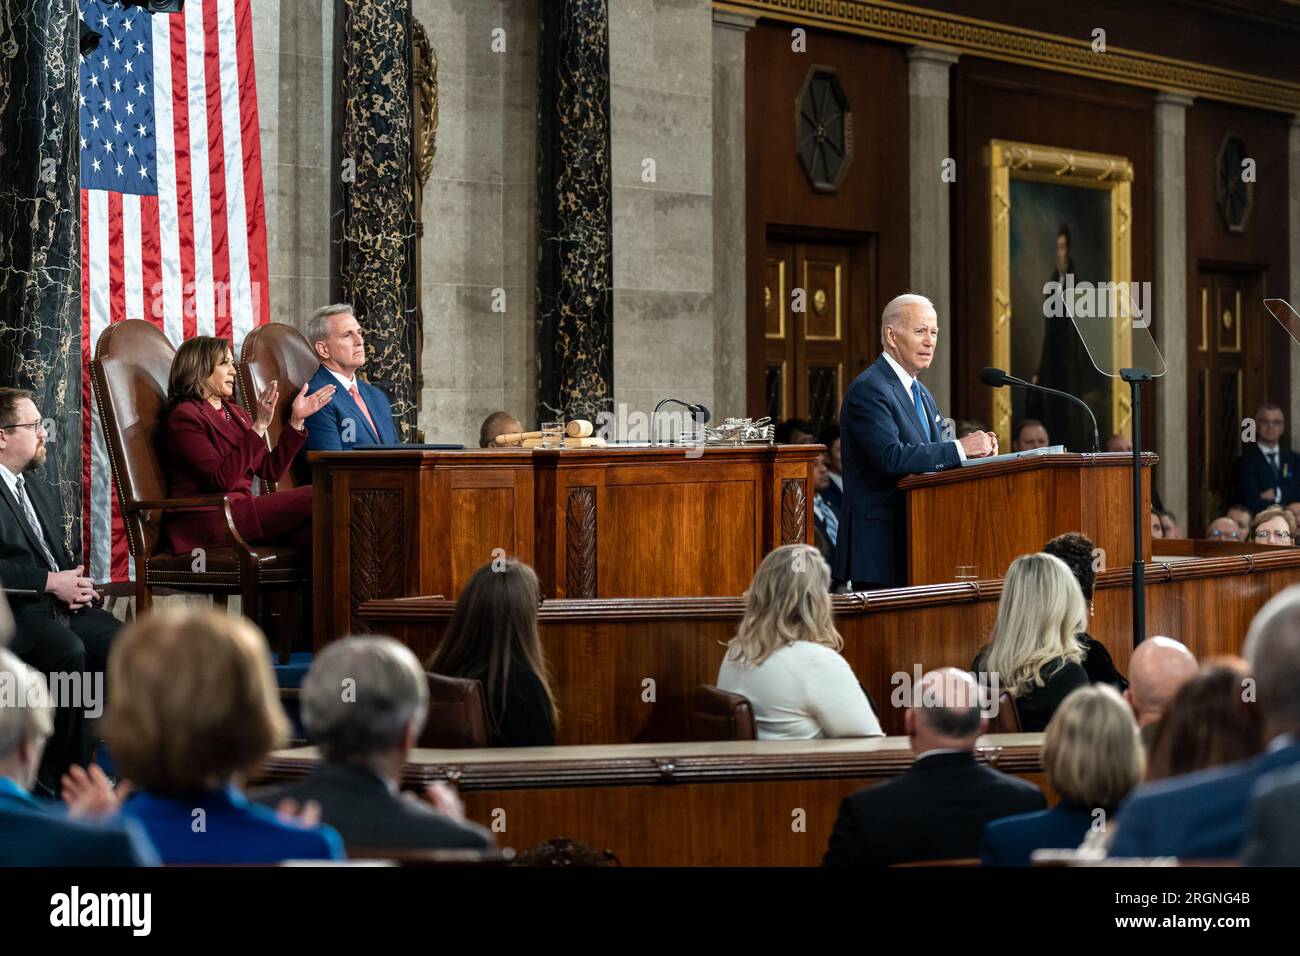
31	833
1202	815
57	631
834	491
937	810
364	703
1267	473
359	414
1273	824
890	427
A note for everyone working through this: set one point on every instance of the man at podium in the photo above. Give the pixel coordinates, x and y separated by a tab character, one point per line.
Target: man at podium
890	427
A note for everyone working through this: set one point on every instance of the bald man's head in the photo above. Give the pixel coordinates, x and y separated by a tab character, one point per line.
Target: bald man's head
1158	667
946	712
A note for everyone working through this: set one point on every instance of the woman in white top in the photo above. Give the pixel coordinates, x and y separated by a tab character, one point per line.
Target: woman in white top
785	658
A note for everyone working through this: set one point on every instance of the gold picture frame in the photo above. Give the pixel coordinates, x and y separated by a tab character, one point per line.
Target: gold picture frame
1009	160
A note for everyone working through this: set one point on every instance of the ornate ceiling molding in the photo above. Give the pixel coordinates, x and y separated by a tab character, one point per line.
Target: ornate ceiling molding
998	41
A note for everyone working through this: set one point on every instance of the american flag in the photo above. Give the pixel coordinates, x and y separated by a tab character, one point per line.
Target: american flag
173	225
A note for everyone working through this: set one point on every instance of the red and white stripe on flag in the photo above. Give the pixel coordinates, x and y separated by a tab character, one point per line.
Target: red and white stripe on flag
188	251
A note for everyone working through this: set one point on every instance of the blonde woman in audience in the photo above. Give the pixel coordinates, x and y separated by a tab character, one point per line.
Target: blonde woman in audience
1034	650
785	657
1274	525
1092	757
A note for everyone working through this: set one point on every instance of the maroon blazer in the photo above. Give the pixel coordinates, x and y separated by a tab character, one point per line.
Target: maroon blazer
209	455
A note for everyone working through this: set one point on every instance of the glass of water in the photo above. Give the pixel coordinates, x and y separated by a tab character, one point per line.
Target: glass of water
552	434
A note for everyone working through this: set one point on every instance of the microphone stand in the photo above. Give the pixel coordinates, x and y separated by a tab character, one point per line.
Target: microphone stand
1135	377
654	433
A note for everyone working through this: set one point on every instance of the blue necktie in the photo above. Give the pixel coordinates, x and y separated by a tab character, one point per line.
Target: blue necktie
920	409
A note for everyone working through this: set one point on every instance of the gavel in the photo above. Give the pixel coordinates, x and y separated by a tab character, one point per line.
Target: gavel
577	428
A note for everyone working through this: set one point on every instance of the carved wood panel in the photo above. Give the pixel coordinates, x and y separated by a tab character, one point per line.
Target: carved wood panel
794	512
375	536
580	543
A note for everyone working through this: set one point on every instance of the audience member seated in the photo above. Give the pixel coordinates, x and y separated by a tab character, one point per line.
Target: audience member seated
1031	434
1078	553
1158	667
1157	526
194	707
1118	442
364	738
1242	515
1294	508
938	809
834	493
785	657
1207	724
492	638
794	431
826	520
1273	821
1034	649
357	413
1169	528
1223	529
58	630
498	423
1092	758
32	834
1202	815
1274	526
1267	473
215	448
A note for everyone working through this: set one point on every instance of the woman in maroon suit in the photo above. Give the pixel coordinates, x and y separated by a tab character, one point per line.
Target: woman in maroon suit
215	448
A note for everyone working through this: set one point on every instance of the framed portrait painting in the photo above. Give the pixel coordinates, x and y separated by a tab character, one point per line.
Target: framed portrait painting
1061	224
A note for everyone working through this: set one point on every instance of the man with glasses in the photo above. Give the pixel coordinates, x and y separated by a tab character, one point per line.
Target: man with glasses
57	630
1274	526
1223	529
1268	473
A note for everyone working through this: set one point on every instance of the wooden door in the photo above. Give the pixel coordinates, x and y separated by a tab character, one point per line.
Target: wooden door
809	315
1227	380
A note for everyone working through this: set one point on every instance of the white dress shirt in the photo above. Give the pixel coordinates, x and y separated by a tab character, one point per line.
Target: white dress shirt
347	383
802	691
908	380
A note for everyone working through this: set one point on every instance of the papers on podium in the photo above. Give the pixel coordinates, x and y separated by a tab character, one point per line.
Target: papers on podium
1012	455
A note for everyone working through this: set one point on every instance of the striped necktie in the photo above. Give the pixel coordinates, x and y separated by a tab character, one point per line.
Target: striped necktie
920	409
32	520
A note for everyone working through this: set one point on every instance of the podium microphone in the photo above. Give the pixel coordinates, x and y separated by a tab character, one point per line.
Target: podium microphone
996	378
698	412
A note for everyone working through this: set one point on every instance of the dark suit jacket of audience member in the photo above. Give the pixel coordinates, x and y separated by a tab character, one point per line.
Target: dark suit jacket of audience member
1196	816
1099	665
1252	473
356	802
1035	708
527	718
32	834
1273	822
1011	841
937	810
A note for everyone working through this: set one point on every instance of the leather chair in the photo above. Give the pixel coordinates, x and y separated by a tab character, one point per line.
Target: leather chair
1008	719
276	353
129	378
457	714
719	715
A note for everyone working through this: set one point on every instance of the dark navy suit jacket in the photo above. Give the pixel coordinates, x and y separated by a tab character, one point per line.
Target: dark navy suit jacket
1011	841
881	441
1196	816
32	834
1251	474
325	429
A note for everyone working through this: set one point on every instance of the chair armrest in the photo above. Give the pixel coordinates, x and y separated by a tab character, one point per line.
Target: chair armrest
21	592
248	558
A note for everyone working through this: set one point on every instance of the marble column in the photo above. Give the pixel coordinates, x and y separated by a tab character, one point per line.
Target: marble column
929	196
40	231
1170	292
375	244
574	220
729	323
1293	290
